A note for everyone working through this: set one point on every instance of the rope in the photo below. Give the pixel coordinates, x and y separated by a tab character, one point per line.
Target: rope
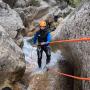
71	40
67	75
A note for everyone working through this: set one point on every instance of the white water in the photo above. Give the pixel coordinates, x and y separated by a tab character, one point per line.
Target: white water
31	55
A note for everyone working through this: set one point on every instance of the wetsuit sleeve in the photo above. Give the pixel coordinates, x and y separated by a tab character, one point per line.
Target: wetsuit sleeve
48	37
35	38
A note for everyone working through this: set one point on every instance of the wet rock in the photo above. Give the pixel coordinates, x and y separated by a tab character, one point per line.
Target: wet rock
10	19
10	2
28	14
77	25
51	2
17	3
44	80
21	3
12	64
26	3
62	4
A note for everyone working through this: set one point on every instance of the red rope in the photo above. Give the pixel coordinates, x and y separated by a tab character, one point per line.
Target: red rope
71	40
67	75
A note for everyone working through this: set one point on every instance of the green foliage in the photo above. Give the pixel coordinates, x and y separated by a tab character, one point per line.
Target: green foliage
73	3
21	44
35	3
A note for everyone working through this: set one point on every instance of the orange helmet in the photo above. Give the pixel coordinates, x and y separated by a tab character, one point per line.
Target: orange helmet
42	23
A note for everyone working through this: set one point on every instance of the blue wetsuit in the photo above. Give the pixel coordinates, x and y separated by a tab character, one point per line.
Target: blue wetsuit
42	36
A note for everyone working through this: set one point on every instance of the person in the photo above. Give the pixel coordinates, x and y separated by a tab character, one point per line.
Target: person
43	37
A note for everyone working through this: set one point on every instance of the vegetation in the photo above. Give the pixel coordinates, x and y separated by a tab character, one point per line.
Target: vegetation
73	3
34	3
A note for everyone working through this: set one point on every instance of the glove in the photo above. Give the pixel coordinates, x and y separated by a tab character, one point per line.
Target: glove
43	43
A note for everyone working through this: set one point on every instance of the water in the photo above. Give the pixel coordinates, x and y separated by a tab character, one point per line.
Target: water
31	55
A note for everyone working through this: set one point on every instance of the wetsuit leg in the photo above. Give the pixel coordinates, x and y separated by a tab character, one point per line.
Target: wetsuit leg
39	53
47	50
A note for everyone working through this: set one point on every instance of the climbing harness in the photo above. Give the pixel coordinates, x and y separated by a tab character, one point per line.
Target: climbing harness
68	75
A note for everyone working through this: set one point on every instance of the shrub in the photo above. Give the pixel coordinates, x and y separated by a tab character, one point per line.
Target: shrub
34	3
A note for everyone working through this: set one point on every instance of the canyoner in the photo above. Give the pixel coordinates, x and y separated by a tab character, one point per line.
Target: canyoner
43	37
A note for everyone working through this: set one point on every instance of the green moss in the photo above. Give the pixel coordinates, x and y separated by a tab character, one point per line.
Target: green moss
35	3
21	44
74	3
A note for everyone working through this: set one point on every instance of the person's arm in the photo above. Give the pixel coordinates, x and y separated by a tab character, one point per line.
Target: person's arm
48	38
35	38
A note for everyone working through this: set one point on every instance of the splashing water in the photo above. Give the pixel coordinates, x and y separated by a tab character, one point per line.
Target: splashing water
31	54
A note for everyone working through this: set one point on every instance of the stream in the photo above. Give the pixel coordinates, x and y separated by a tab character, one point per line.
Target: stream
31	54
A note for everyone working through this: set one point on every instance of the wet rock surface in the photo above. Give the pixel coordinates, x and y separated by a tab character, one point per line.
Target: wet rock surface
77	25
12	64
10	19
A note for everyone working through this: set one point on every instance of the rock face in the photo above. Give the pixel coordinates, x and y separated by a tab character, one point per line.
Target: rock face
17	3
27	14
63	3
10	2
12	65
22	3
10	19
77	25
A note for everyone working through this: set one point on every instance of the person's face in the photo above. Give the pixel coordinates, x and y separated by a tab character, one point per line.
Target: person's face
42	28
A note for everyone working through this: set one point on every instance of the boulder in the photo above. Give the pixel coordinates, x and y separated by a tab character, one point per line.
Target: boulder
21	3
77	25
12	64
10	19
10	2
30	13
27	14
17	3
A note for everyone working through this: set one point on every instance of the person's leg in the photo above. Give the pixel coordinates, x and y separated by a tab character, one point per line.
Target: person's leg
47	50
39	53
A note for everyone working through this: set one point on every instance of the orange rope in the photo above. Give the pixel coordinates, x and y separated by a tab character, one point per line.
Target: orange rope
71	76
67	75
71	40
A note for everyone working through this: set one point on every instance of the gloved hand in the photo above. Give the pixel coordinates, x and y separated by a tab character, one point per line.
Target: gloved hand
43	43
